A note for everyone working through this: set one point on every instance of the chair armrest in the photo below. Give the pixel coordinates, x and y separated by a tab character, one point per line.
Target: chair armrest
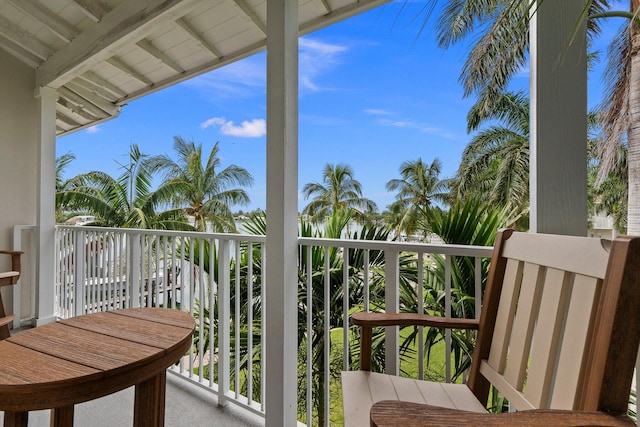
394	413
15	266
368	321
372	320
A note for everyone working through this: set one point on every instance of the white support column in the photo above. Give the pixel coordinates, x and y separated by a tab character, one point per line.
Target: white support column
282	213
558	152
46	206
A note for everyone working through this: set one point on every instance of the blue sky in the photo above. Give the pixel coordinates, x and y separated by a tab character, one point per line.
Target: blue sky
372	94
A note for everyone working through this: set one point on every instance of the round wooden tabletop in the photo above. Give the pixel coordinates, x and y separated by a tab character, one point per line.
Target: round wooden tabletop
90	356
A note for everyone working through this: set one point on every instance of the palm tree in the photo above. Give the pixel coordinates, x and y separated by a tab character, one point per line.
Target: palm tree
338	190
418	188
126	202
612	194
501	28
205	189
495	164
622	111
61	184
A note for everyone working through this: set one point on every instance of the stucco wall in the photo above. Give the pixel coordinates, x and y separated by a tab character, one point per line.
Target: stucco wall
19	118
19	136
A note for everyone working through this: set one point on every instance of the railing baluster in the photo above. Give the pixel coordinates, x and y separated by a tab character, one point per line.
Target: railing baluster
79	272
224	293
250	327
420	296
345	307
327	329
366	280
447	310
236	322
309	274
263	353
209	297
391	304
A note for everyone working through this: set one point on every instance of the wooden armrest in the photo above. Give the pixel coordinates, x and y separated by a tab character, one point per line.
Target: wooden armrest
394	413
367	321
372	320
15	267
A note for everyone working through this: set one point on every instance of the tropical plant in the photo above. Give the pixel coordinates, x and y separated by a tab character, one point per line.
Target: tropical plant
338	190
612	194
126	202
204	190
495	164
418	188
500	30
314	259
61	184
468	223
621	110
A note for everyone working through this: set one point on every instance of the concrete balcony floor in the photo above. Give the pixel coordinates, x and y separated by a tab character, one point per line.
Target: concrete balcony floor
186	405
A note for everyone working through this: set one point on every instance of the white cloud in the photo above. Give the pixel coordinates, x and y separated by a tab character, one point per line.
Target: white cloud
247	129
247	78
317	58
239	80
418	126
212	121
377	112
93	129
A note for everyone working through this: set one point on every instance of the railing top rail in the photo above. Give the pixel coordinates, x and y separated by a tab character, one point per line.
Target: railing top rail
191	234
432	248
424	248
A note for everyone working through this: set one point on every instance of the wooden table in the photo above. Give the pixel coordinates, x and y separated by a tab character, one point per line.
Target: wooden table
82	358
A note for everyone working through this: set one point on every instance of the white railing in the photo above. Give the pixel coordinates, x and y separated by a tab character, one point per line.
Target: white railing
103	268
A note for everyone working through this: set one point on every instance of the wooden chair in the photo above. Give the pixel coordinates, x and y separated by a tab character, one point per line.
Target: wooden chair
558	336
8	278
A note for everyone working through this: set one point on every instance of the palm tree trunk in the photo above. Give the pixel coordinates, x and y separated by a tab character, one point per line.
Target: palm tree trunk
633	227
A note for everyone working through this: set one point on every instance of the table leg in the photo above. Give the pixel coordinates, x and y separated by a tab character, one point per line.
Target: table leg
62	417
148	410
16	419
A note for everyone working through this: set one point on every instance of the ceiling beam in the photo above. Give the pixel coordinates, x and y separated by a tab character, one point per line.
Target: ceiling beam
129	70
66	119
251	14
19	52
81	102
193	33
95	79
128	23
94	88
58	26
95	99
73	109
322	6
340	14
148	47
93	9
23	39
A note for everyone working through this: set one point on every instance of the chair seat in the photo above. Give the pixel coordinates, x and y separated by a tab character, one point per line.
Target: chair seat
361	389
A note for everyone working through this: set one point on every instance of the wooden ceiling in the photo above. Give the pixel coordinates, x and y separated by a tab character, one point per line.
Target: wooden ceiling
101	54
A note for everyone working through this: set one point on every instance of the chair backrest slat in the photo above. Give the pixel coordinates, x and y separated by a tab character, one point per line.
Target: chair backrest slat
524	323
545	345
540	354
506	311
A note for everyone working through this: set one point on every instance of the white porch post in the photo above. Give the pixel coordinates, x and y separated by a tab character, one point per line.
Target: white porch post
282	213
558	152
46	206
